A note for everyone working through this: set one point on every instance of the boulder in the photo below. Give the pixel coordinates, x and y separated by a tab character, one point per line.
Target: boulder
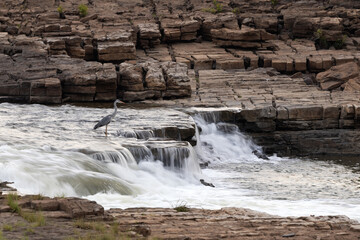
80	208
337	75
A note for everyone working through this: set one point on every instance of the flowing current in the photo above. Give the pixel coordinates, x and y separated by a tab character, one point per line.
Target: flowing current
54	151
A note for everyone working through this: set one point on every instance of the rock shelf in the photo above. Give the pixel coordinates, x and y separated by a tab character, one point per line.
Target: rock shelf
37	41
59	218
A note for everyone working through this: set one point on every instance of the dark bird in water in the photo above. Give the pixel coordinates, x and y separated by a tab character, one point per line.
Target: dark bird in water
106	120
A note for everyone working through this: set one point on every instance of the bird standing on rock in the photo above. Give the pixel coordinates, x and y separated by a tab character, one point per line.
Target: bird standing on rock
106	120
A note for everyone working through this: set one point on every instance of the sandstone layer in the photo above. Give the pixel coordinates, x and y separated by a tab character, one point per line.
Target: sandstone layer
52	54
39	217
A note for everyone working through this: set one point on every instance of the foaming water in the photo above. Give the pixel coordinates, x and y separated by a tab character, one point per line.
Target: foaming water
55	152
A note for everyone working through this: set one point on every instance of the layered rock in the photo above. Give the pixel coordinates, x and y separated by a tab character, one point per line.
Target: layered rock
115	51
244	38
149	35
339	75
153	80
218	21
177	80
179	30
46	90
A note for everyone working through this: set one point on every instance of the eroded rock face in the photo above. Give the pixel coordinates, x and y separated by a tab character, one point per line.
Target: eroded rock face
154	80
338	75
244	38
251	34
149	34
46	90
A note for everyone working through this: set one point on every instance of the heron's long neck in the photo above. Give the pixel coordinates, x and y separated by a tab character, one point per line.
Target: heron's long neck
115	110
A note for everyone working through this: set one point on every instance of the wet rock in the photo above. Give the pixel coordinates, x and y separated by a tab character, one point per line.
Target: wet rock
204	165
260	155
206	183
4	186
226	127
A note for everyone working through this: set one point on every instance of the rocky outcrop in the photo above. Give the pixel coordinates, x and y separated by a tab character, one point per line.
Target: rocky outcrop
250	35
243	38
154	80
149	35
57	207
115	51
46	90
179	30
339	75
75	217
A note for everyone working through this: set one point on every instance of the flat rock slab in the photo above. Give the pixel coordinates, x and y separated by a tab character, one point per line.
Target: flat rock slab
165	223
233	223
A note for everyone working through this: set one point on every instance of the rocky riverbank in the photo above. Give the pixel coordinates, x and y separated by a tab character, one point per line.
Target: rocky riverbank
289	67
39	217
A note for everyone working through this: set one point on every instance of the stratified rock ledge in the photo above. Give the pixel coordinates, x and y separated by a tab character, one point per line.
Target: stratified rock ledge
75	217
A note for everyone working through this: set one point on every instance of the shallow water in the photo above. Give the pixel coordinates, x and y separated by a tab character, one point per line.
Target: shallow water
54	151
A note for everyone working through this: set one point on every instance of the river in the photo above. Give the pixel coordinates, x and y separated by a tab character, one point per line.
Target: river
54	151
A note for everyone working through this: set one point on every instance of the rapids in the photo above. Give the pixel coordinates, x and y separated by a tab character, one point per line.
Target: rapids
54	151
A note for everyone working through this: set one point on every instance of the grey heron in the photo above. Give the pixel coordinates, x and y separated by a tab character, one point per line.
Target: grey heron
106	120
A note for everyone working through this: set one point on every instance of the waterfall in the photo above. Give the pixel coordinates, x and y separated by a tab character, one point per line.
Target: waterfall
122	157
222	142
138	133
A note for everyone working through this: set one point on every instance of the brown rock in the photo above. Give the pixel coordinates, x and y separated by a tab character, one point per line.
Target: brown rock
45	205
130	96
77	207
116	51
337	75
236	35
46	90
154	77
177	78
305	113
353	85
131	77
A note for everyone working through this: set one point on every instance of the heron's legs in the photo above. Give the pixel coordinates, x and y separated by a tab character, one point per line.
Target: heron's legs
106	130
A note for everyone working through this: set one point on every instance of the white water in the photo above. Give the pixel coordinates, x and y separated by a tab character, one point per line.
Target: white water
55	152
